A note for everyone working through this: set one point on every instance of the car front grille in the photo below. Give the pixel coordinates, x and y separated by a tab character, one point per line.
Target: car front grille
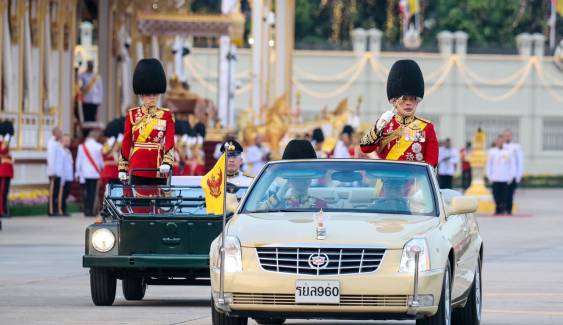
345	300
320	261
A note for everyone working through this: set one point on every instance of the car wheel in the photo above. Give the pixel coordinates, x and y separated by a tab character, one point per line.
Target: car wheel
102	286
471	313
134	288
270	321
219	318
444	314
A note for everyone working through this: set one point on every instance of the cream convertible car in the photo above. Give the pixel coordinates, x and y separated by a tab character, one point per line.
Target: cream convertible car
349	239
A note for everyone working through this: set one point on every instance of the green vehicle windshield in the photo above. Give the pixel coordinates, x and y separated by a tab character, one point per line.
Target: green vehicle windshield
159	201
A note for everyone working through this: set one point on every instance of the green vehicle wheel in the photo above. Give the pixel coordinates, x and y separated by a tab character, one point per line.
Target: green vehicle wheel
134	288
102	286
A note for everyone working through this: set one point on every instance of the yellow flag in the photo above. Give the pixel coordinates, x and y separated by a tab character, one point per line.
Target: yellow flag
213	185
559	7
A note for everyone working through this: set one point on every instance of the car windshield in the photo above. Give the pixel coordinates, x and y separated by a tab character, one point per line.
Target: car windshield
338	186
161	200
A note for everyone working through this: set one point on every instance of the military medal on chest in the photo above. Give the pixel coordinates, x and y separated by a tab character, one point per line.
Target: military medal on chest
417	149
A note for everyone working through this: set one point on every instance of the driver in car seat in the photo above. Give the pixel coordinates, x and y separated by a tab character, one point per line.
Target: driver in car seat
393	196
298	188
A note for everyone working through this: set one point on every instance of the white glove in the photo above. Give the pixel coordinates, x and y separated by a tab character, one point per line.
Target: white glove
122	176
7	137
164	169
120	137
111	141
383	120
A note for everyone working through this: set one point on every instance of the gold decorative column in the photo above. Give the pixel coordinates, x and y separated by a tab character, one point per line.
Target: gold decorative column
478	160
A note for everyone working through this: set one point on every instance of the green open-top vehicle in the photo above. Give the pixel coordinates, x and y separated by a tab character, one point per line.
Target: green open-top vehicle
151	235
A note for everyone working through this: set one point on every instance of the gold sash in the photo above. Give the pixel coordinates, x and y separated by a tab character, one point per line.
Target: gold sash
402	145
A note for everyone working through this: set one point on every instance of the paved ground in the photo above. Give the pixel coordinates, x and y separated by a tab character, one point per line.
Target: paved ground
42	281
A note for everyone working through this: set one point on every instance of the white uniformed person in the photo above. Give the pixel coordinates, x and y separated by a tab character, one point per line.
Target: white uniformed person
234	162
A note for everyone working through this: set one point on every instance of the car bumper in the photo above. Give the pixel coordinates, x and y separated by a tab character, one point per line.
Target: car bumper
147	261
383	294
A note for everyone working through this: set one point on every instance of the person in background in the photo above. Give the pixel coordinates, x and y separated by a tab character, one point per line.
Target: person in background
447	164
342	150
92	92
518	156
89	164
317	141
256	156
54	181
64	170
6	167
466	174
501	167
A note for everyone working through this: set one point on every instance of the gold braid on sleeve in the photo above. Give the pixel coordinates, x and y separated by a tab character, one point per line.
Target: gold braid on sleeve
123	165
370	138
169	157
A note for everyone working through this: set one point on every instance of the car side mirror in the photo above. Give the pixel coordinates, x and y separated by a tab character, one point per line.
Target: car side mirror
461	205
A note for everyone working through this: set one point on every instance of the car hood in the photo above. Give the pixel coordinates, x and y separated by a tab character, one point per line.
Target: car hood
289	228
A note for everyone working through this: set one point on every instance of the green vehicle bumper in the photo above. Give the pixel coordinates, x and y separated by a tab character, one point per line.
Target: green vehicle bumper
147	261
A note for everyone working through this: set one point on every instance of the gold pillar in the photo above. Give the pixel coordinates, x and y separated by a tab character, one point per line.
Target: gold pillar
60	48
2	9
21	7
41	14
72	25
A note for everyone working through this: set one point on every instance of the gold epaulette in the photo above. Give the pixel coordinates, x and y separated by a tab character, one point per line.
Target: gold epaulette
247	175
423	120
134	108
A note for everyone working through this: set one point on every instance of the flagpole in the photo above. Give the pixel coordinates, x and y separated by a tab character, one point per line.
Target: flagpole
221	299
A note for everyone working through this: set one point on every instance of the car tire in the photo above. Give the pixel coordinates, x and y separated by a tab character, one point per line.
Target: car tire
102	286
470	314
134	288
219	318
444	314
270	321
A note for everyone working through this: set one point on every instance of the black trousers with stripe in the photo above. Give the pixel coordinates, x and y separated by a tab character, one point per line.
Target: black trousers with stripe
54	190
90	196
4	190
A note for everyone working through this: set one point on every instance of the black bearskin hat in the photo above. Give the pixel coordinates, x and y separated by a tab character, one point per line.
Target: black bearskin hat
318	135
348	129
6	127
405	79
115	127
299	149
182	127
238	148
149	77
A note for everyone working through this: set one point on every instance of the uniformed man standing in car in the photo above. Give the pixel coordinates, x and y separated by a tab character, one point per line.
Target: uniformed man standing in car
234	163
399	134
148	141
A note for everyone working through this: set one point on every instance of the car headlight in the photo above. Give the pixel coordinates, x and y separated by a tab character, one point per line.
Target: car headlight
233	254
103	240
409	252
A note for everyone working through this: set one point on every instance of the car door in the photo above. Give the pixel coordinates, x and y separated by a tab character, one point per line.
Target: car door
453	229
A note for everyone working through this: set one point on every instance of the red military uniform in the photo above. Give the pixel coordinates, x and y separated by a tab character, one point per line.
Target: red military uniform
148	141
404	138
109	172
6	174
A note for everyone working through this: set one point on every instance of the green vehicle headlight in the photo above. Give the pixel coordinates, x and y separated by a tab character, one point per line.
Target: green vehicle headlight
103	240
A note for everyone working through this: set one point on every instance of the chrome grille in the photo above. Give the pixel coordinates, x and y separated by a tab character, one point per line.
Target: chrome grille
345	300
338	260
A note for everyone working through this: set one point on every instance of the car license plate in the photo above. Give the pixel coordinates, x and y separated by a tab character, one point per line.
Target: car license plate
317	292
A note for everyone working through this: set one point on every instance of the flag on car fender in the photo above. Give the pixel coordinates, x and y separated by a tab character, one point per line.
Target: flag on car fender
213	185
